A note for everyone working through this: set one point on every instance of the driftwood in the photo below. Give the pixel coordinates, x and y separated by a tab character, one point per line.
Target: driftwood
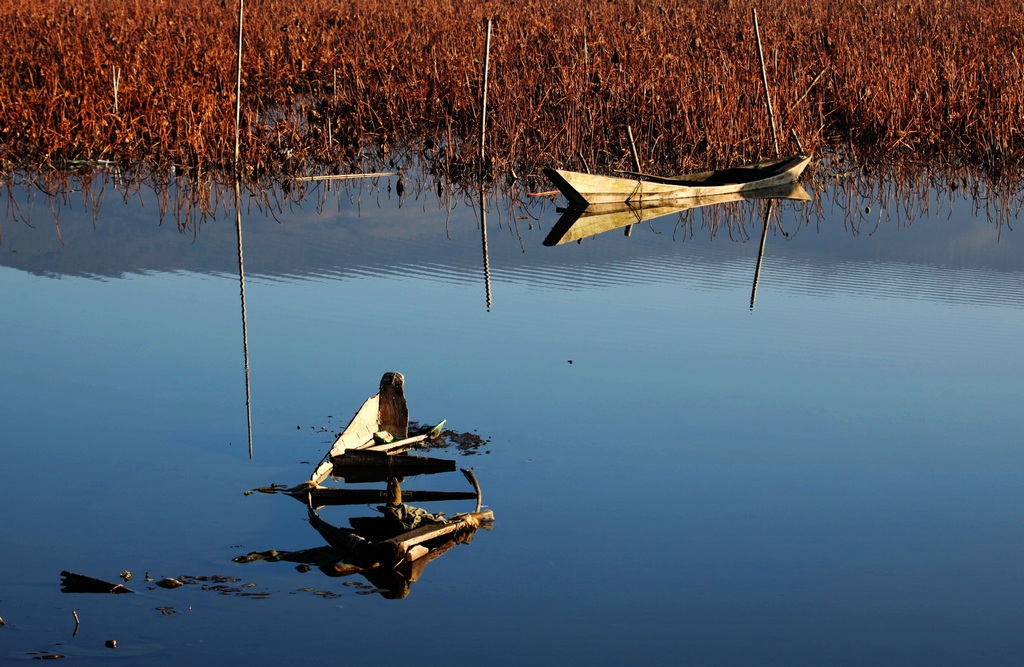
345	177
356	446
400	465
79	583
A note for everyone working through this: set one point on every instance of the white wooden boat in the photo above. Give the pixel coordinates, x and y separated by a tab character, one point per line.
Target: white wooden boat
636	188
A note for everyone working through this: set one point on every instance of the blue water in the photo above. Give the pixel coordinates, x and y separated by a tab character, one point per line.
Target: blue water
829	477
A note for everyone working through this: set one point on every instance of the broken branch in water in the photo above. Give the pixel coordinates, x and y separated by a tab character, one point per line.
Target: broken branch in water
342	177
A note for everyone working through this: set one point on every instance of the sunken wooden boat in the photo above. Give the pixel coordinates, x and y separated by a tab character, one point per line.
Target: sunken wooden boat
578	222
377	438
633	187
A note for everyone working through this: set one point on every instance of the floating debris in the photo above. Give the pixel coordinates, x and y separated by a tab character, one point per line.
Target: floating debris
169	582
79	583
46	655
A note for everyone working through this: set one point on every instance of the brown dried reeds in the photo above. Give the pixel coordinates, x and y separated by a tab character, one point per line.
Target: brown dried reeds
328	85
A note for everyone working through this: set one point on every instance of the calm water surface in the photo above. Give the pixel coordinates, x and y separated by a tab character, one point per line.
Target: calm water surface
830	477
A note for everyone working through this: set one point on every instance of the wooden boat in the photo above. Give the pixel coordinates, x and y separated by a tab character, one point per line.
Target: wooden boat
359	445
583	189
577	223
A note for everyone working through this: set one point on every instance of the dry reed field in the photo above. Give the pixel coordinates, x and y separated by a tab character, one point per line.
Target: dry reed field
334	85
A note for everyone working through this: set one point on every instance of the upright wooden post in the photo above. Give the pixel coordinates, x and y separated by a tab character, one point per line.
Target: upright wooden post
632	149
628	231
483	113
393	413
238	90
764	79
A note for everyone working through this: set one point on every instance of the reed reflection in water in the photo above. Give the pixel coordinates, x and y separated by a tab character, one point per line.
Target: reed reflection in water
837	458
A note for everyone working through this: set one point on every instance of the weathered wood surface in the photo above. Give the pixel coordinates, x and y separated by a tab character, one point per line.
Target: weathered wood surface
359	432
394	413
385	411
371	458
582	189
397	446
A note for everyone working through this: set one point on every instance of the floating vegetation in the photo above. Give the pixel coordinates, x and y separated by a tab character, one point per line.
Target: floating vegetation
326	86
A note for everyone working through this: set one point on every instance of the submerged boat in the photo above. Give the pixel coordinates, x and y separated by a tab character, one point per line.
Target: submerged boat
578	222
360	445
633	187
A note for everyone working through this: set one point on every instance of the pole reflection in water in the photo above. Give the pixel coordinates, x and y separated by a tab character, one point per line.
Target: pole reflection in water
760	252
245	328
483	234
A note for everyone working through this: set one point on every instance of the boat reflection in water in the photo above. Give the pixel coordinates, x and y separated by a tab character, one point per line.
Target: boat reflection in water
578	223
390	549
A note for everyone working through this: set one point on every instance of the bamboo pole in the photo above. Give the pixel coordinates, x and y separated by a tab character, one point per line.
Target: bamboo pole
238	218
764	79
483	113
238	89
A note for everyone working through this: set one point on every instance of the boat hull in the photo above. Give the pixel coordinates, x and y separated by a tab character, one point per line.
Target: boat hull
583	189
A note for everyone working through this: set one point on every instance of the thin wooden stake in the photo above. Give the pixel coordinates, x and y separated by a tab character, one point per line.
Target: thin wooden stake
796	140
238	90
632	149
483	113
77	623
764	78
811	85
115	77
628	231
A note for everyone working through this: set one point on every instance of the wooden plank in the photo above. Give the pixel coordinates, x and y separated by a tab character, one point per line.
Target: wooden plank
360	429
370	458
395	446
